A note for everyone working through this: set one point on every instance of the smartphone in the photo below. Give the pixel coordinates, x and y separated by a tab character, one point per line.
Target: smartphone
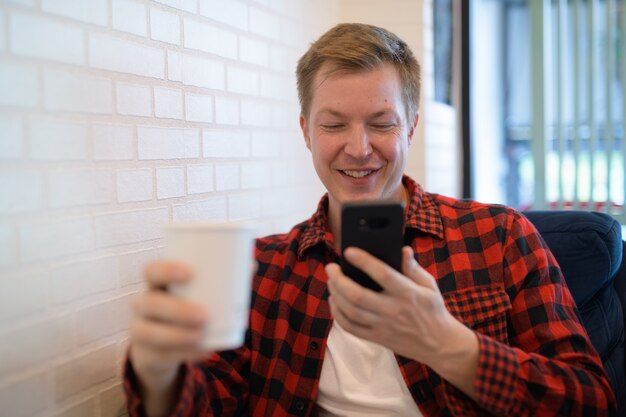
376	227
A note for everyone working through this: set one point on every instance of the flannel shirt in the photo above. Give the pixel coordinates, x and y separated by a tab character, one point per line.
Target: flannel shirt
496	276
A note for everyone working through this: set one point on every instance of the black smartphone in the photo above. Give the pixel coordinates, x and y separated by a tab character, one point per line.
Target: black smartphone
376	227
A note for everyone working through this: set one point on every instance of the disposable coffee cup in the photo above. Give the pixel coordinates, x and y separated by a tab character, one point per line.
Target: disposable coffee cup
221	258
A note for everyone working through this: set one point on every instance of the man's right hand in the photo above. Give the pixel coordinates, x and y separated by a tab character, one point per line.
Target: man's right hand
165	332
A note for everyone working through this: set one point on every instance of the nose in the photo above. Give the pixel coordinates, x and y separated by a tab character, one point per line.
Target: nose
358	144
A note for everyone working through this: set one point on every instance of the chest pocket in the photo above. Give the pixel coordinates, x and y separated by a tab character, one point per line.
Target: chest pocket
482	309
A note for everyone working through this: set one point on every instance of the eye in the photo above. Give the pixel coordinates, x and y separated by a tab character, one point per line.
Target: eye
383	126
332	126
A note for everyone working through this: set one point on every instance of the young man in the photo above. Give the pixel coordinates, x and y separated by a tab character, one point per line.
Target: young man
479	322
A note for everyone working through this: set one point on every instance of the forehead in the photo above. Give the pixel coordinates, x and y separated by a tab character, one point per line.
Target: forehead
343	90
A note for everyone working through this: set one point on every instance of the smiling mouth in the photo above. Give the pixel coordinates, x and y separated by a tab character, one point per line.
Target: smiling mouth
356	173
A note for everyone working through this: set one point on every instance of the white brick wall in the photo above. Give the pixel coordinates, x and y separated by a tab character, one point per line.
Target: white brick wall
46	38
117	117
130	16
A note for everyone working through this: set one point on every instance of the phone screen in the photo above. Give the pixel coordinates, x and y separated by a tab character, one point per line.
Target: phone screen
375	227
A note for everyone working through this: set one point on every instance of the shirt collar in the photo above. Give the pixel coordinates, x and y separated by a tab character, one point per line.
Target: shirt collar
421	214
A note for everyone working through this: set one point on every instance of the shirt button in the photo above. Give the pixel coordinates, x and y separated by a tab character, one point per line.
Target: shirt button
299	406
313	345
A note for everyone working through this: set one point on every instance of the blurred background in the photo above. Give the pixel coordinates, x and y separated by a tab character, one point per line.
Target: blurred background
120	116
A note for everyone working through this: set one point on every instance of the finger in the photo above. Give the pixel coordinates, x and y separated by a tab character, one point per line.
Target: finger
159	274
161	306
354	311
157	335
412	269
352	291
356	329
383	274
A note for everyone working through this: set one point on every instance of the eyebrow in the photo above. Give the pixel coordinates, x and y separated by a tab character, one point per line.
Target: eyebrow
374	115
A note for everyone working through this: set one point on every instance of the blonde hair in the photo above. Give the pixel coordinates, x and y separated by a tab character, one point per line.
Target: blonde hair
359	47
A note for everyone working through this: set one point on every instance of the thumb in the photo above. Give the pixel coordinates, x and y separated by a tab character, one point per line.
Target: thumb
414	270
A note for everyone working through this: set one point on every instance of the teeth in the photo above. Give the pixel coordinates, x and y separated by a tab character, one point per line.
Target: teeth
357	174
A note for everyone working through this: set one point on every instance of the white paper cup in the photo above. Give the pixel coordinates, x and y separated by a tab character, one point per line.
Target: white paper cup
221	258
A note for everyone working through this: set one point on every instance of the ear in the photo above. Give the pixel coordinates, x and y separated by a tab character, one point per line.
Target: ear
305	131
413	126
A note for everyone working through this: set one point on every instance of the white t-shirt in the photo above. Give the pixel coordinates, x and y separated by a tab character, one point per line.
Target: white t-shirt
361	378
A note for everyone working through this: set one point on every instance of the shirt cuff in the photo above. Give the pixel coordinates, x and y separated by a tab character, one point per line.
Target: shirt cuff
495	382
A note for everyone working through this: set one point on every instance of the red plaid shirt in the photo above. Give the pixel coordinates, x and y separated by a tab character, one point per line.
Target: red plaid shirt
496	276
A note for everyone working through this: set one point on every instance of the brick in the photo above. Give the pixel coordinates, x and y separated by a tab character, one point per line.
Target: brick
242	81
199	179
81	279
167	143
130	16
164	26
113	142
244	206
113	401
275	203
198	108
168	103
264	24
103	319
255	113
204	37
170	182
256	175
285	116
133	99
94	11
22	294
134	185
281	58
226	176
84	371
232	13
35	344
8	243
19	85
174	66
225	143
186	5
226	111
55	238
132	266
11	134
199	72
210	209
52	139
66	91
17	399
47	39
278	87
80	187
115	54
86	408
254	51
129	227
265	144
20	191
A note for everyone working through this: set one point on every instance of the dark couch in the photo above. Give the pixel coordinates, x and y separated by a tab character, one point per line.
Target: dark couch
588	246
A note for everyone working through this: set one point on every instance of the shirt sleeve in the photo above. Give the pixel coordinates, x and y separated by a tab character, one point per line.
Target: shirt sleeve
218	385
549	366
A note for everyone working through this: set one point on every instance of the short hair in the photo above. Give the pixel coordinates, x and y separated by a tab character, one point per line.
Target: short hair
359	47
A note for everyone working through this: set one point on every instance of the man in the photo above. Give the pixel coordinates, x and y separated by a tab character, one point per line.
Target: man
479	322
